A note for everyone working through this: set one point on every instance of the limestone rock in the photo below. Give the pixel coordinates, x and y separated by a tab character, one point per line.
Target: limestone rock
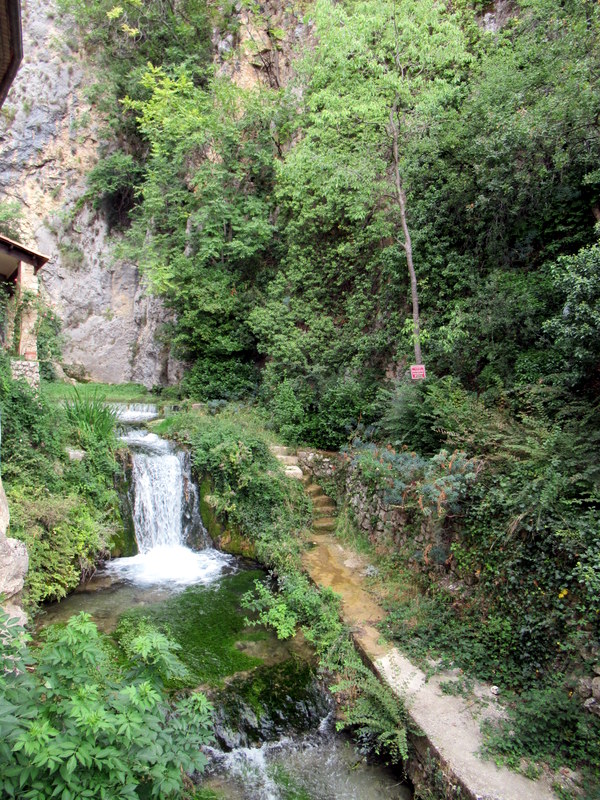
4	514
596	688
75	454
13	566
14	563
584	688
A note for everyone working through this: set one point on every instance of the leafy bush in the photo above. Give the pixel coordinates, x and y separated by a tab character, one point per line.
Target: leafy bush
547	724
288	413
66	511
49	340
112	185
76	723
64	539
33	432
326	414
434	486
575	331
11	219
220	379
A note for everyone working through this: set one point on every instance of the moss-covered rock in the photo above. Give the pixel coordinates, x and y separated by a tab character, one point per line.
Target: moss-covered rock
226	537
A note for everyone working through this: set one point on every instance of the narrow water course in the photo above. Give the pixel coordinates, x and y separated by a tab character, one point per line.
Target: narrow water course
274	720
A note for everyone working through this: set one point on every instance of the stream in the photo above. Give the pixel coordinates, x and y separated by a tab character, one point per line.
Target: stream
274	720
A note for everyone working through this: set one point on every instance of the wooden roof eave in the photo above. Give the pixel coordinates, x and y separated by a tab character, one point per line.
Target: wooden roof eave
21	253
15	43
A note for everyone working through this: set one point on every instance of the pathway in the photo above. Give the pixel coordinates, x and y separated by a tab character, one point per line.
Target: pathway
451	729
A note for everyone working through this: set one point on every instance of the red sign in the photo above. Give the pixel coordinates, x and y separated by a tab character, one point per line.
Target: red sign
417	372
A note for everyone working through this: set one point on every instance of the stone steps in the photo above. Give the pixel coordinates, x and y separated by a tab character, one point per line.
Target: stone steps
286	457
313	489
322	524
279	450
325	511
321	500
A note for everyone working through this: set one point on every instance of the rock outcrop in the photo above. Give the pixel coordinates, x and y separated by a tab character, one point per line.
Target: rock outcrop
14	562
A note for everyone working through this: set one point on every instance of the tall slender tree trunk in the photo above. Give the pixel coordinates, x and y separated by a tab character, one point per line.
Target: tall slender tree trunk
407	243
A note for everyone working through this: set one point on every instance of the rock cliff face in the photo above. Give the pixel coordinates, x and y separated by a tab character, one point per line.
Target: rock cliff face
48	142
14	562
49	135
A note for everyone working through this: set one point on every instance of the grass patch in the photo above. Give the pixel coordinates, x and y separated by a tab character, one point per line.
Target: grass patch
113	393
253	421
349	534
90	417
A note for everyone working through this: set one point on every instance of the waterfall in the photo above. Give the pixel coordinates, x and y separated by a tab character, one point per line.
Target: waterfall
131	413
166	514
158	494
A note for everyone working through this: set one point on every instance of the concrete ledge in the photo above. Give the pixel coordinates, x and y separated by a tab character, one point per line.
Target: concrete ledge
446	738
452	736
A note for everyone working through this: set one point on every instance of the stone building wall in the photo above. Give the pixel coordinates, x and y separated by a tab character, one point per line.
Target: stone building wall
27	293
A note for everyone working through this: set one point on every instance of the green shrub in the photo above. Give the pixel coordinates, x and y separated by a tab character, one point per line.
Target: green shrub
66	511
575	331
33	432
220	379
547	724
326	414
11	219
64	538
75	723
288	413
112	185
49	340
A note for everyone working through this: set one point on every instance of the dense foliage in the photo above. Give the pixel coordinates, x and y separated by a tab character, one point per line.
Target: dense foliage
66	511
268	219
76	722
275	223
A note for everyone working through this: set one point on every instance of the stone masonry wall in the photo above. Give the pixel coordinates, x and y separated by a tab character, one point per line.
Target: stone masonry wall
29	370
384	524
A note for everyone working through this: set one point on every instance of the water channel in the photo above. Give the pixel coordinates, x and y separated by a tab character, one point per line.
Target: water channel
274	720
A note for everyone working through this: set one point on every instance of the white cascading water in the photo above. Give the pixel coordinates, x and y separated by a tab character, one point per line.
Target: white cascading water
165	513
158	493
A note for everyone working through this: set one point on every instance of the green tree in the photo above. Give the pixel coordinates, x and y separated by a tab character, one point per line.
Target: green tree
203	232
575	331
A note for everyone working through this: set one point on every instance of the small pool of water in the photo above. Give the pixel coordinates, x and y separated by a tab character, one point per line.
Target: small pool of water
138	582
